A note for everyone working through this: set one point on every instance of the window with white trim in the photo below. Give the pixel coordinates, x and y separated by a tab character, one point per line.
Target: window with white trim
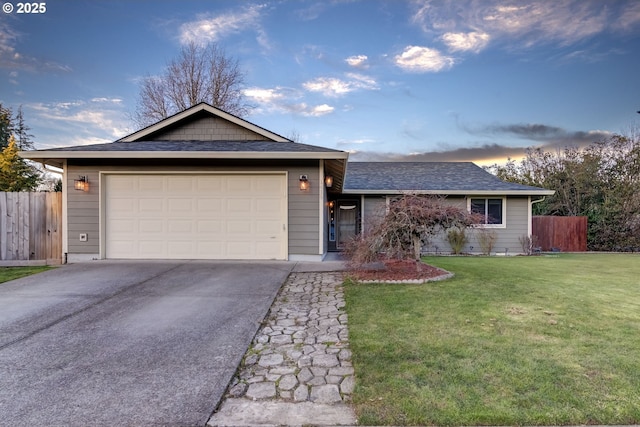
492	210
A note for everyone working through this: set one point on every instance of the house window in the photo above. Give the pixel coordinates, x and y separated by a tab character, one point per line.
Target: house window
492	210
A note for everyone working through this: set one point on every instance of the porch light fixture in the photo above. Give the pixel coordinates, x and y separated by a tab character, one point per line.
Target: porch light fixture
328	181
304	183
81	184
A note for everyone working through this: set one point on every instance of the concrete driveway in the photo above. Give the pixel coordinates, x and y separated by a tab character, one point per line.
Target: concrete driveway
128	343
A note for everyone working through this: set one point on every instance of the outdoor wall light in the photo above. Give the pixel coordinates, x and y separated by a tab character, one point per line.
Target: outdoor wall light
304	183
81	184
328	181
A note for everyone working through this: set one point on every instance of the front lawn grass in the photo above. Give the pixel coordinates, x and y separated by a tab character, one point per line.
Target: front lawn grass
11	273
545	340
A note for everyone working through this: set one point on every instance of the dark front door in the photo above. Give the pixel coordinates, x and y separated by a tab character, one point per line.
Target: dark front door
347	214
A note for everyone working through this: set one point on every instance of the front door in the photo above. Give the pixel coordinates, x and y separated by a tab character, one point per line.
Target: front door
347	214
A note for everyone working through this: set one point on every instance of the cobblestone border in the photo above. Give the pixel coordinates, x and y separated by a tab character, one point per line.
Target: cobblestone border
410	281
301	352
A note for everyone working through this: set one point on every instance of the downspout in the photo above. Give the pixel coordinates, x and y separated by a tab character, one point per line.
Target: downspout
533	202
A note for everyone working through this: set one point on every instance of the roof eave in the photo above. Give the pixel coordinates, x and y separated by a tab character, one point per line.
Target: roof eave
540	192
49	155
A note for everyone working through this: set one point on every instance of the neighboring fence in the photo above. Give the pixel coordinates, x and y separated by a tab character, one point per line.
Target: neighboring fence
31	227
566	233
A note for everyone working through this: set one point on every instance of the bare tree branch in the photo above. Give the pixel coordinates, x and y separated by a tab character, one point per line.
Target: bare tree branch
197	74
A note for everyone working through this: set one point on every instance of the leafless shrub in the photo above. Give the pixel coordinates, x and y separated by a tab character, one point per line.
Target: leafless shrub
527	243
406	224
487	240
457	238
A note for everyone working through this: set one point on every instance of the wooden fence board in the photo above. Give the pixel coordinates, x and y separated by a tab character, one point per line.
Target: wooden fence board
30	226
566	233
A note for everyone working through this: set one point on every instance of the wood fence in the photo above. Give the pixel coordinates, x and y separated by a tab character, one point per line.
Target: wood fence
31	227
564	233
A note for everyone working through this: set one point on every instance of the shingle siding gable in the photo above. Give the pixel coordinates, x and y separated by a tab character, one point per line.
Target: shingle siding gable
209	128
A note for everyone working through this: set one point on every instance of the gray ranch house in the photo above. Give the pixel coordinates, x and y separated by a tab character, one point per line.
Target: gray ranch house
205	184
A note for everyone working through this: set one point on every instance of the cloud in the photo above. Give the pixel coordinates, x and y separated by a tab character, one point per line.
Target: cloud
284	101
522	24
466	42
318	110
358	61
549	136
485	153
11	58
328	86
334	87
101	118
423	60
211	28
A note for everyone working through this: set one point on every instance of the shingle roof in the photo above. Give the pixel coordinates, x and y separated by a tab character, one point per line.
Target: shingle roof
193	146
433	177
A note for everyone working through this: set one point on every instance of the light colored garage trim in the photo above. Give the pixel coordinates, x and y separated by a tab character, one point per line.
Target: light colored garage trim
321	208
102	196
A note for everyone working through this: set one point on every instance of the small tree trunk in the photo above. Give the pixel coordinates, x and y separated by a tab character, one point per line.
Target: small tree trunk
416	247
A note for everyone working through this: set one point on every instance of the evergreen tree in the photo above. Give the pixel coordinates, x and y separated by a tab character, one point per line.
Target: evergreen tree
15	173
21	132
6	125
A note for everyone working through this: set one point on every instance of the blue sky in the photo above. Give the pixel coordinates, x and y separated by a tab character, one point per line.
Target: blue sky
384	80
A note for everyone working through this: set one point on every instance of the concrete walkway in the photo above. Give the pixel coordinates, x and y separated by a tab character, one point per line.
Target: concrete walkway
298	369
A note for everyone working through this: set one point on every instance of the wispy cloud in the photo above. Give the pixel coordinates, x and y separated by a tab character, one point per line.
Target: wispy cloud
334	87
466	42
284	101
358	61
98	119
423	60
469	25
211	28
13	59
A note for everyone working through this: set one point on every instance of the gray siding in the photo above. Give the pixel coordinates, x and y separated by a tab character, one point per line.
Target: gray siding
208	129
508	237
83	208
82	212
517	216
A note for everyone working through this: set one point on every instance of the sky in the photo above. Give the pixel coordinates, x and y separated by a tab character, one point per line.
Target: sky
457	80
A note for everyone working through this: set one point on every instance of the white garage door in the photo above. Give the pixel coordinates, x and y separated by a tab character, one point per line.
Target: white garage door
195	216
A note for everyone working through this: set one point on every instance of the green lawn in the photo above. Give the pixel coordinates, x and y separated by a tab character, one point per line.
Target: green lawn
508	341
11	273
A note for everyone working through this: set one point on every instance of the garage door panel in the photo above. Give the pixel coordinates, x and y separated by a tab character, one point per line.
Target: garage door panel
179	184
239	228
267	206
210	205
239	206
271	228
181	249
195	216
238	184
147	184
209	226
152	248
151	226
151	205
123	226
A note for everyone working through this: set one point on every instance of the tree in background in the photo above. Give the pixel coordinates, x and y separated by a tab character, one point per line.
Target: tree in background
600	181
198	74
15	173
6	125
24	139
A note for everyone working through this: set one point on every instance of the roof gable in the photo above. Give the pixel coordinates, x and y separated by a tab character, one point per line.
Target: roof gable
203	122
